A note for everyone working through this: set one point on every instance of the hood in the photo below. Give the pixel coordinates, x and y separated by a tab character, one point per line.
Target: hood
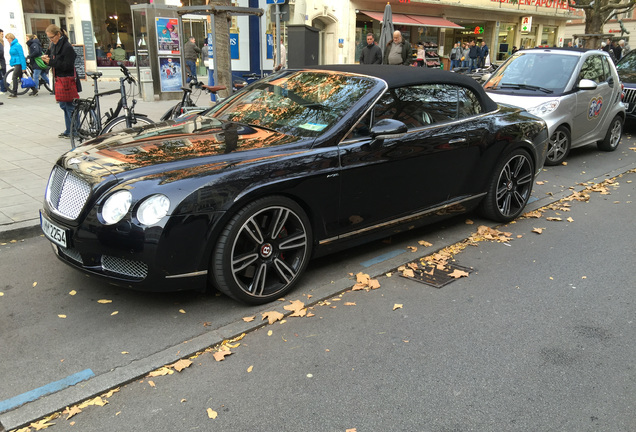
627	76
525	102
172	146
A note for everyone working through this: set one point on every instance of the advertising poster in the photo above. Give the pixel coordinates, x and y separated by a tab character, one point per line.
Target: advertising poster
170	74
168	35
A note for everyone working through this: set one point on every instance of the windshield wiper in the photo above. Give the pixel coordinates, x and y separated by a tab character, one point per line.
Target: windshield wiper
525	87
314	105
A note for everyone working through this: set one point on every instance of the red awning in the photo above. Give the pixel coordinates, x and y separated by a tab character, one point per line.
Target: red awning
414	20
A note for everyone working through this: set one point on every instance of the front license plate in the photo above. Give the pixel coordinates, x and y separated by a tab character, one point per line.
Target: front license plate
53	232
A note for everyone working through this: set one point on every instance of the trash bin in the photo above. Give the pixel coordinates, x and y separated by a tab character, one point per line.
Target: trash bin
147	90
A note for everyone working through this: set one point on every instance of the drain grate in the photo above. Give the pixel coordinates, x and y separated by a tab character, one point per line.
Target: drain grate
435	277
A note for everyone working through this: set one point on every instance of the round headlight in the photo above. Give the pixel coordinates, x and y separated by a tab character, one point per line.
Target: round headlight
116	207
545	108
152	209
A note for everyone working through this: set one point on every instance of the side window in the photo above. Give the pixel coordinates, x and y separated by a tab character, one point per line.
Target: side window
592	69
468	104
606	68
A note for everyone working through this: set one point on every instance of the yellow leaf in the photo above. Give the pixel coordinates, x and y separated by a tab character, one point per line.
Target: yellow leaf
183	400
538	230
152	383
114	313
272	316
408	273
220	355
249	319
1	294
412	248
62	316
42	424
469	222
554	219
161	372
110	393
397	306
71	411
181	365
182	311
212	414
125	352
424	243
374	284
73	292
294	306
300	313
570	219
349	304
362	278
103	301
269	333
98	401
457	273
249	369
34	284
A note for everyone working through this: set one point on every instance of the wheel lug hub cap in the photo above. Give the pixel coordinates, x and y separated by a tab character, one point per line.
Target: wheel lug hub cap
510	185
266	250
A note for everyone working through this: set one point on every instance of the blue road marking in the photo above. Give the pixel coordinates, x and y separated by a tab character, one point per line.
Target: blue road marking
383	257
44	390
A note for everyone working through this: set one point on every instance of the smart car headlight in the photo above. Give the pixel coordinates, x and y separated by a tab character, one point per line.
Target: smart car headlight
152	209
116	207
545	108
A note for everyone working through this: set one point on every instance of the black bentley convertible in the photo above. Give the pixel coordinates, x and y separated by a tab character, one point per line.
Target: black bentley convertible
298	164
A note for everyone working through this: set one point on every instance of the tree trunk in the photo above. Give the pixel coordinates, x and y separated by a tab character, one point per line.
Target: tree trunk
222	48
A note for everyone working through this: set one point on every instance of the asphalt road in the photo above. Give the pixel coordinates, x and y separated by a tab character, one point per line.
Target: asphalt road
477	348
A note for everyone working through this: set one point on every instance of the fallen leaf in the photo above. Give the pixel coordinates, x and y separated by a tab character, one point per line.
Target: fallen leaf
103	301
540	183
182	311
110	393
457	273
294	306
272	316
408	273
533	214
62	316
362	278
412	248
424	243
42	424
220	355
212	414
161	372
249	319
397	306
183	400
151	383
71	411
469	222
374	284
249	369
554	219
34	284
349	304
181	365
269	333
570	219
564	163
538	230
73	292
125	352
299	313
351	430
114	313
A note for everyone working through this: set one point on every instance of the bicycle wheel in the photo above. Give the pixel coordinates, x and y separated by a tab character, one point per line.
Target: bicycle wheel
84	124
8	81
45	83
119	123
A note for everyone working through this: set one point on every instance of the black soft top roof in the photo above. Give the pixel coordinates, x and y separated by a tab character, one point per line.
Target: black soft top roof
402	76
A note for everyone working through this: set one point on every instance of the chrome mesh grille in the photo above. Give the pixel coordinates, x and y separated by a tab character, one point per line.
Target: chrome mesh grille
120	266
72	254
66	193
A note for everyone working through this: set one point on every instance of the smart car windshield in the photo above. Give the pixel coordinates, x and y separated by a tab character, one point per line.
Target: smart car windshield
303	103
534	72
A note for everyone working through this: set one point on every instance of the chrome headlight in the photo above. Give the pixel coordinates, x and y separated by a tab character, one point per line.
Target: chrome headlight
152	209
545	108
116	207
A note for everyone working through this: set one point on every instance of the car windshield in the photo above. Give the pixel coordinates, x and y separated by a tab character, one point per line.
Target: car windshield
534	73
302	103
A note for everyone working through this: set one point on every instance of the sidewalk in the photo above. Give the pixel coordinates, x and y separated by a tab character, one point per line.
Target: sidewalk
29	147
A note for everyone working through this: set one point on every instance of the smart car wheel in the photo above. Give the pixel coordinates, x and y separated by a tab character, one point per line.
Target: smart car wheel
613	136
558	146
262	251
509	188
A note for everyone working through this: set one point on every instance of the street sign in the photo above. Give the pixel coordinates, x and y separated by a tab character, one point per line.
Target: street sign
275	1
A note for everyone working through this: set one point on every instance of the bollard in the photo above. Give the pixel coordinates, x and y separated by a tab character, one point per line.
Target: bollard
147	89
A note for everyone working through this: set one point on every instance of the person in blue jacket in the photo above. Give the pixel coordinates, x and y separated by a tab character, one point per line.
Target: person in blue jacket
17	61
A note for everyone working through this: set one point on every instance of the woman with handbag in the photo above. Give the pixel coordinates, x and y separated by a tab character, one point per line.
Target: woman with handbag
62	60
17	61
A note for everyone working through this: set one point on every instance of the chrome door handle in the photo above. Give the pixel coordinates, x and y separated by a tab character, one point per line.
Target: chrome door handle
457	140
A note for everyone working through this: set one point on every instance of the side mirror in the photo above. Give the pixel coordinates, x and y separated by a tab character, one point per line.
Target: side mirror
586	84
388	128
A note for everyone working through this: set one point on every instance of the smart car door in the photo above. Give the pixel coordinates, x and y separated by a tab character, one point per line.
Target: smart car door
592	105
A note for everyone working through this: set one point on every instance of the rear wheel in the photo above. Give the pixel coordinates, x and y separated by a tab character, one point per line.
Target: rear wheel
262	251
119	124
84	125
509	188
558	146
613	136
8	81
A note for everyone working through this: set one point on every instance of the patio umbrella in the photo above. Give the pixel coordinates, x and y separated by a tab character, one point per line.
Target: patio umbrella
386	34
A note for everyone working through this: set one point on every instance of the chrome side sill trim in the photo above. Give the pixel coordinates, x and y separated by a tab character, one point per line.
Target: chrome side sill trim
198	273
399	220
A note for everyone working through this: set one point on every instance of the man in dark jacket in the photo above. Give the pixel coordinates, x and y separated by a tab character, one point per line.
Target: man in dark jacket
483	54
397	52
371	54
473	54
62	60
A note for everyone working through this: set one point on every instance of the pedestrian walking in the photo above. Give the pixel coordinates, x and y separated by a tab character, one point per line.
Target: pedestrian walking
371	54
17	61
191	54
35	56
398	51
3	64
483	53
625	48
282	60
62	60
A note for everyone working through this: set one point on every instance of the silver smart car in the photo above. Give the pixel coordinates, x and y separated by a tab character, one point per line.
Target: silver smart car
576	91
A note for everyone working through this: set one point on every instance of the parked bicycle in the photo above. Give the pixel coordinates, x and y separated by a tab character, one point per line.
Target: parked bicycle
87	121
8	79
187	105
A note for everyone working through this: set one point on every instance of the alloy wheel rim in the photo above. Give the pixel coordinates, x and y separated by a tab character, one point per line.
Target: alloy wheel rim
514	185
269	251
557	146
615	136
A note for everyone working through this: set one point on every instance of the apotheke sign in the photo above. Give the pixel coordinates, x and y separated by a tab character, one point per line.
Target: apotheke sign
553	4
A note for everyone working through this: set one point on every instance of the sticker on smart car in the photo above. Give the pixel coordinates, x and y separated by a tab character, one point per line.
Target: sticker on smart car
596	104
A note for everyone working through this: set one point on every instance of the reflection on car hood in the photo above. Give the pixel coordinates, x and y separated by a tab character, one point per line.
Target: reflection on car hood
524	102
192	142
627	76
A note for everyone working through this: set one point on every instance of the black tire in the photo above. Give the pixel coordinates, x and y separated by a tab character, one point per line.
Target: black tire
613	135
558	146
84	125
262	251
8	81
119	123
510	187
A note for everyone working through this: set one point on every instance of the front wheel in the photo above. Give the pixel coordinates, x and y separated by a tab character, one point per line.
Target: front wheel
509	188
262	251
8	81
613	135
119	123
84	125
558	146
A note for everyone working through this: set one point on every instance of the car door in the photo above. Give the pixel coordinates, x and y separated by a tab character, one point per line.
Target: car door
592	105
382	180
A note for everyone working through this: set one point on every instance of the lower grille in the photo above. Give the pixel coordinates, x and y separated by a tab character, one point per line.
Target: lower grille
72	254
123	267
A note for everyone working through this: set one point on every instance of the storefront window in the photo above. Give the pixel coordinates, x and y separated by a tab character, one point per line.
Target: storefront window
548	36
113	29
505	40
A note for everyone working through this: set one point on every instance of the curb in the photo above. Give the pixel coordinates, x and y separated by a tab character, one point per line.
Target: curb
20	230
